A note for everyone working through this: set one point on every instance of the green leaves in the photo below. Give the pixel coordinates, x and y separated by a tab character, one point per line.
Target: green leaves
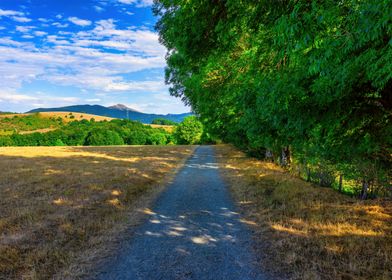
312	75
189	131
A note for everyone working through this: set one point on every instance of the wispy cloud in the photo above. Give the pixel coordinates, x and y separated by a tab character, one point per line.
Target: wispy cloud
21	19
79	59
60	25
24	29
14	15
95	60
40	33
80	22
15	97
10	13
137	3
98	8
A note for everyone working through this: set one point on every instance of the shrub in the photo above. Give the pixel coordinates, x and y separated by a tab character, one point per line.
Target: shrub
100	137
189	131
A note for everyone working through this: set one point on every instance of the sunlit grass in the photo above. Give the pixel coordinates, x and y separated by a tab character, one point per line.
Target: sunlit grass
306	231
64	208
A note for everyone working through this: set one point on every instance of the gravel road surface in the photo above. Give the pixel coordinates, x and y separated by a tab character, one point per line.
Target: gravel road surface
193	232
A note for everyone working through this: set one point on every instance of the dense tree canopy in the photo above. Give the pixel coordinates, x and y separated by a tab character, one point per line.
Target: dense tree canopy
303	81
92	133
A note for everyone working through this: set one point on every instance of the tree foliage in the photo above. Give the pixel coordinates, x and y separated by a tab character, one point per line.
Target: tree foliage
90	133
303	81
189	131
163	121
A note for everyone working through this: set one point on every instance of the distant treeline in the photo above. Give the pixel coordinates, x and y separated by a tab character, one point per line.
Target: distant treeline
93	133
162	121
304	83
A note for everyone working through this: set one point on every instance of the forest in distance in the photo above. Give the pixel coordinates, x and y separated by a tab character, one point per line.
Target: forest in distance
74	129
307	84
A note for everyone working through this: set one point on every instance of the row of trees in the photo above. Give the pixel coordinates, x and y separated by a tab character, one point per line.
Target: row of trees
114	132
305	83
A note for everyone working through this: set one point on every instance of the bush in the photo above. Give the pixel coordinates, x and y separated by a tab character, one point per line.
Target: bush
6	141
101	137
157	139
59	142
189	131
136	137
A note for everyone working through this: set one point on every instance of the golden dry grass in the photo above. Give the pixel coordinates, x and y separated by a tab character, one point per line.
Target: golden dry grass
305	231
64	208
64	115
168	128
43	130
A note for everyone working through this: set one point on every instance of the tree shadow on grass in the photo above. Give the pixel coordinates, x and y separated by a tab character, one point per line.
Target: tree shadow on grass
310	232
52	208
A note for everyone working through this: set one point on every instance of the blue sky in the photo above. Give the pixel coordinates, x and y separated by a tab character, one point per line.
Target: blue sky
65	52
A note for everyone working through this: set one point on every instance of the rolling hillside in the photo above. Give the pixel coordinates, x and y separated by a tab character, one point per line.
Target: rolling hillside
117	111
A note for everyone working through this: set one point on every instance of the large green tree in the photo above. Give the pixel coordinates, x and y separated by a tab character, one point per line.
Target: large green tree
309	79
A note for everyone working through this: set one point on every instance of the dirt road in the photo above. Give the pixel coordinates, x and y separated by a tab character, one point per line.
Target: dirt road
193	232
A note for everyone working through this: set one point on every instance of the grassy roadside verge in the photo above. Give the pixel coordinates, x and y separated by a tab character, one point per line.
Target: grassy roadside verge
63	209
308	232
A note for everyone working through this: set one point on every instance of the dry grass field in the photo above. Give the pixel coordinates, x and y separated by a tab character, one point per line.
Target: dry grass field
64	208
66	116
75	117
168	128
306	231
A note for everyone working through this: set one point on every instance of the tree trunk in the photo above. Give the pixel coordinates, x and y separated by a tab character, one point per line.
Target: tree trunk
308	179
365	187
340	182
285	157
288	155
269	155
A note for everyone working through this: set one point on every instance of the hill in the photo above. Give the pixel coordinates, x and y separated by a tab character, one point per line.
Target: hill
48	121
66	116
117	111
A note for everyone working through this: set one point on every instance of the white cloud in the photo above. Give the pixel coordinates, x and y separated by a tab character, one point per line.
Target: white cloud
24	29
93	100
137	3
99	9
8	41
82	60
14	15
60	25
127	1
21	19
161	103
80	22
8	13
40	33
146	86
15	97
44	20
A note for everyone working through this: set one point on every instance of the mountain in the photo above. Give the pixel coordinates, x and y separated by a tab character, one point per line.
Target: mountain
117	111
122	107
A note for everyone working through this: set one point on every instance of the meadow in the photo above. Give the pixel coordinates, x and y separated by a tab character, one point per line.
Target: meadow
307	231
63	209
